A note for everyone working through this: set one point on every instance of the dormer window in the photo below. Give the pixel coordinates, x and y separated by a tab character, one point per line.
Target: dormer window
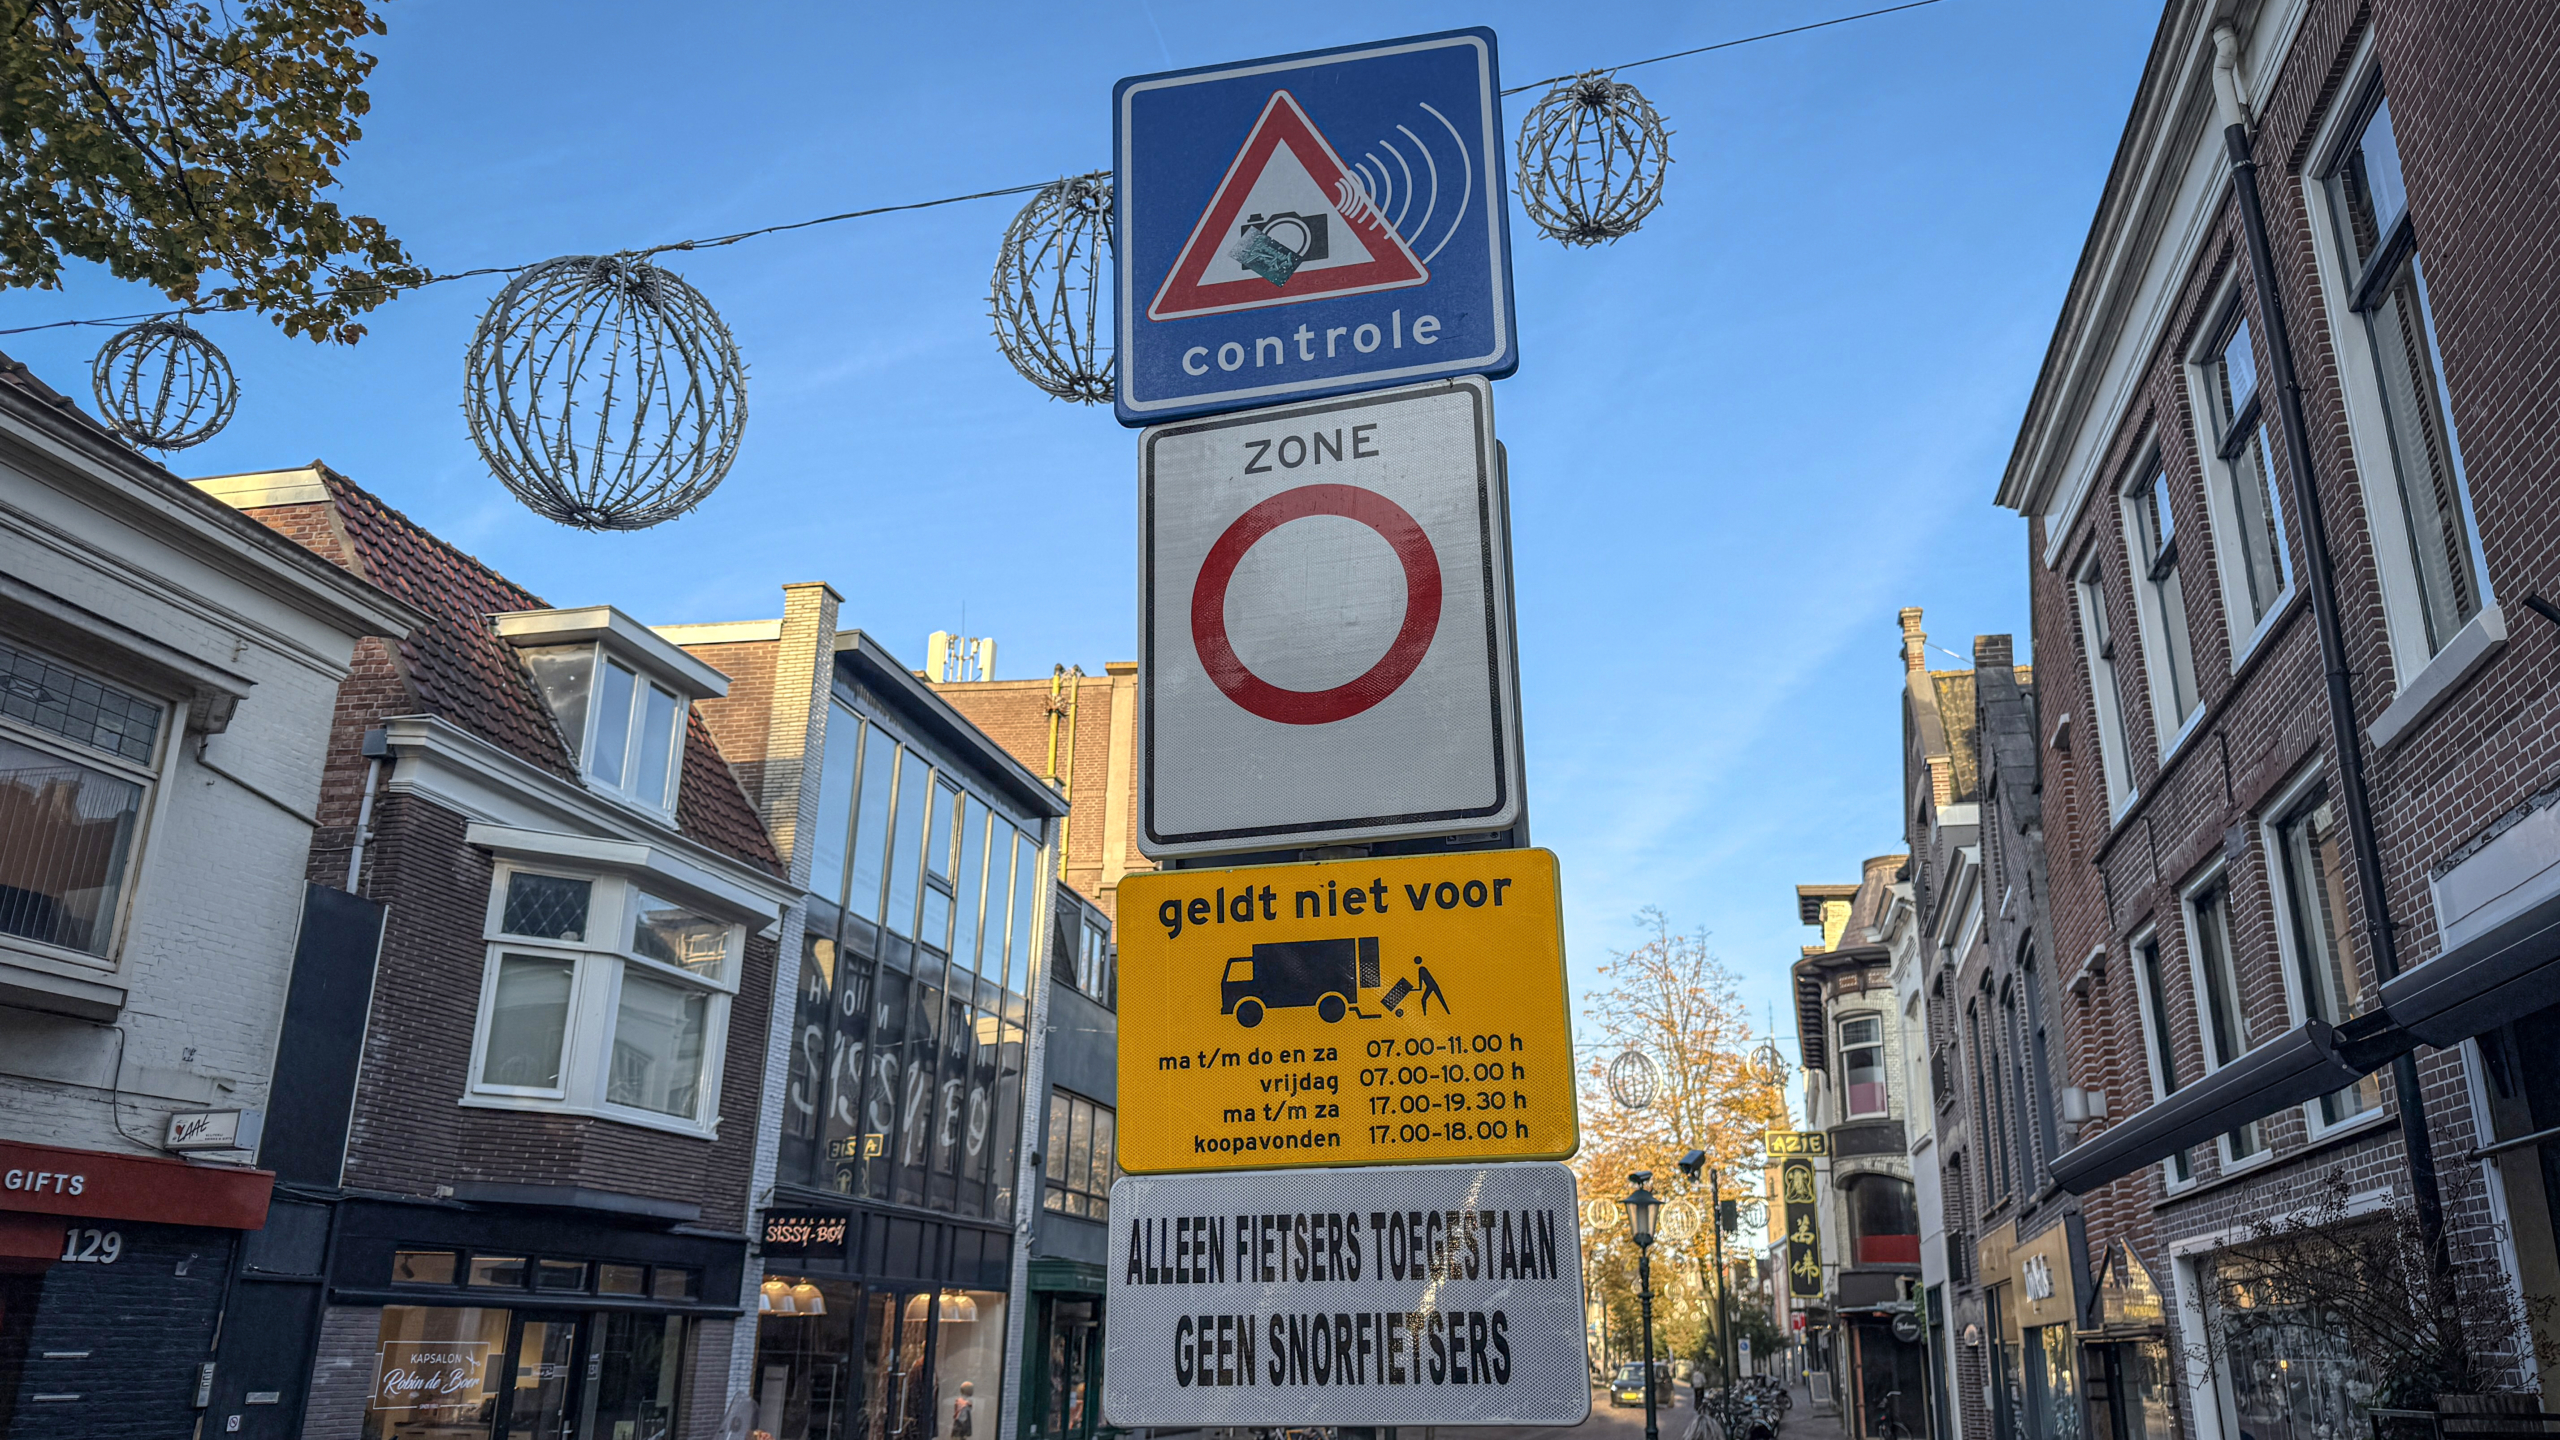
619	693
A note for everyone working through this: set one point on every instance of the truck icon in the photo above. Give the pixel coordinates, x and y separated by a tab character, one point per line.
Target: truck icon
1292	974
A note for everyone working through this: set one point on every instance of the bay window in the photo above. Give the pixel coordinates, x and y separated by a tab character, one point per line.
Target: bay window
604	998
1862	1065
77	770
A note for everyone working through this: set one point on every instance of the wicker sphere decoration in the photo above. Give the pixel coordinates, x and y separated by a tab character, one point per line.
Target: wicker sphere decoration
163	385
1632	1077
1592	156
605	392
1047	299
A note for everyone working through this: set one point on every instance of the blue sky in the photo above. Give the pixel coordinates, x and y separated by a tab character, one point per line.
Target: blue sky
1740	439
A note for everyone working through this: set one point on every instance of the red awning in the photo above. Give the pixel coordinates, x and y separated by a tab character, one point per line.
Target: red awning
56	1180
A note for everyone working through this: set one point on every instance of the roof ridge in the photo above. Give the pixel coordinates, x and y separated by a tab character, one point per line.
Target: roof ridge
345	487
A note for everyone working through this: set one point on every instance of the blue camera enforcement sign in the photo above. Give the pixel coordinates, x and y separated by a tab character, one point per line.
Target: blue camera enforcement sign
1311	225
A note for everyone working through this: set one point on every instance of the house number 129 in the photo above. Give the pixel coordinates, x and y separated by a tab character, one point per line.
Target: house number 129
92	1247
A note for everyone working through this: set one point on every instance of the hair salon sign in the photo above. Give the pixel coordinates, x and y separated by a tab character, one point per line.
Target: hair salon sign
430	1372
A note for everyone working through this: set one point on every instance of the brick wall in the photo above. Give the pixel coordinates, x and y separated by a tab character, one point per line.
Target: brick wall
2466	83
410	1136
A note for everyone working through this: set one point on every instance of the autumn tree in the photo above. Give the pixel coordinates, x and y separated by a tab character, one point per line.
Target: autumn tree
188	148
1673	1002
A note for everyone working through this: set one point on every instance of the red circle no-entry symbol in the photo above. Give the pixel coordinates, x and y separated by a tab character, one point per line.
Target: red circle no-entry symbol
1317	707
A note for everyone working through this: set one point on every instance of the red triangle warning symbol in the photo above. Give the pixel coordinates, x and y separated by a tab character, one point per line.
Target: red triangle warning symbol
1289	222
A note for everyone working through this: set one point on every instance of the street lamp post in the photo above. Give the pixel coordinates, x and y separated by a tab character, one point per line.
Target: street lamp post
1725	1355
1643	1209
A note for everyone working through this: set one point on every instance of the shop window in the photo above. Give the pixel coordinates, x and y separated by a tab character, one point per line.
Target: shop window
2053	1388
805	1382
1884	1220
612	1279
2310	849
1862	1065
1079	1164
1061	1407
968	1374
437	1371
675	1282
2385	279
635	1370
2287	1370
76	776
422	1267
498	1271
620	1010
560	1275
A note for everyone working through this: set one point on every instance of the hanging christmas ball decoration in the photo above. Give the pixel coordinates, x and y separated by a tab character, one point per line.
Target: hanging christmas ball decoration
1047	299
605	392
1631	1080
1592	156
163	385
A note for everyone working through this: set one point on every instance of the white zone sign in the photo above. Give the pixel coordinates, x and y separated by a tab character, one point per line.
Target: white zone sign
1429	1295
1325	625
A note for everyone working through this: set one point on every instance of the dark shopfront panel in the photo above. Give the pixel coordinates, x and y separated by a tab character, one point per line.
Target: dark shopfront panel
524	1322
111	1286
880	1326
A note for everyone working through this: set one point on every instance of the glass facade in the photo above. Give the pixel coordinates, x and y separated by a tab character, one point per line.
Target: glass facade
475	1373
883	1309
906	1077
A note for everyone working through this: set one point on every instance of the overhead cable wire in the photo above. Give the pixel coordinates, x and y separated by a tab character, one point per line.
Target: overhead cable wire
716	241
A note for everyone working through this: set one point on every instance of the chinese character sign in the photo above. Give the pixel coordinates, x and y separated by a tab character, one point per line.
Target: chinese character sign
1804	1231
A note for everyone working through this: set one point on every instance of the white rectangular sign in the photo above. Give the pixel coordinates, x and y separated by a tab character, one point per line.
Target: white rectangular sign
1428	1295
1325	625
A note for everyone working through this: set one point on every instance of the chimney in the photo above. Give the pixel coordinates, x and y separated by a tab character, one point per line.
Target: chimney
1915	641
1993	651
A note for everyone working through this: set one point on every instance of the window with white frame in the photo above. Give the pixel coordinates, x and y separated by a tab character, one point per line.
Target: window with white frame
2157	1038
2310	857
603	997
78	764
626	730
2228	1033
2386	284
2235	413
2151	538
2106	685
1862	1065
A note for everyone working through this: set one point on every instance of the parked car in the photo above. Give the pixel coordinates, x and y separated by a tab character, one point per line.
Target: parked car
1627	1387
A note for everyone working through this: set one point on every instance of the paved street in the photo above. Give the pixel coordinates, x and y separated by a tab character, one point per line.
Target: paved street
1607	1423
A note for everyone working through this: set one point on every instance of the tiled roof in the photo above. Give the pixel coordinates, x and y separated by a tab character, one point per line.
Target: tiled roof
462	672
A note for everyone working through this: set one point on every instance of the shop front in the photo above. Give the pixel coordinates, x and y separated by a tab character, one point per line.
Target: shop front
508	1322
111	1286
877	1326
2131	1384
2032	1300
1062	1352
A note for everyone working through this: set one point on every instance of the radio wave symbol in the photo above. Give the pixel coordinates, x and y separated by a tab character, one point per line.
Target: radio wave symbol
1384	186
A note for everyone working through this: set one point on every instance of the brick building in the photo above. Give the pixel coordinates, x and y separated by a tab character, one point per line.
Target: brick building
2279	996
167	673
1857	1095
547	1084
2004	1254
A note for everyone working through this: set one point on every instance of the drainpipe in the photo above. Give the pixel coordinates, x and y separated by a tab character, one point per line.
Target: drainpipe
2352	797
376	750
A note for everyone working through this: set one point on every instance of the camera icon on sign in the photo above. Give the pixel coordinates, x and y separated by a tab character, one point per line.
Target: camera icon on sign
1301	235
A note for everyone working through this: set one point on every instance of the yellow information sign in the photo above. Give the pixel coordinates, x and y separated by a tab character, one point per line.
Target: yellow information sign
1347	1012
